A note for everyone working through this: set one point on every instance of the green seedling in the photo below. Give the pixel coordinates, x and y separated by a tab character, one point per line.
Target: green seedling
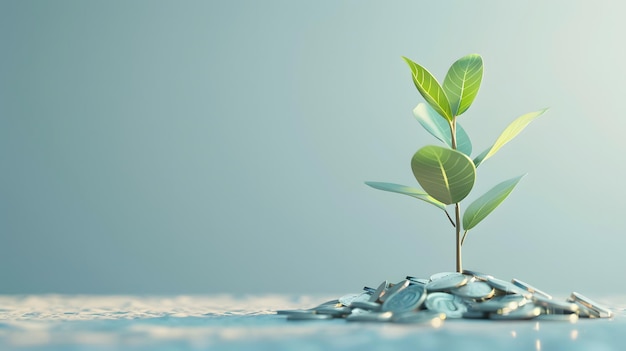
447	174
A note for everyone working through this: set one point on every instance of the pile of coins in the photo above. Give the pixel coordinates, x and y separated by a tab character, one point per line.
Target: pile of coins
451	295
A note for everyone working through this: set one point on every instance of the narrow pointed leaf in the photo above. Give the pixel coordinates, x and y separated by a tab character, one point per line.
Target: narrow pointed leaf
445	174
462	82
508	134
481	157
405	190
440	128
430	89
484	205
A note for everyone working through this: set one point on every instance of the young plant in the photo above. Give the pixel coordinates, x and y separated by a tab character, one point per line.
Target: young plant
447	174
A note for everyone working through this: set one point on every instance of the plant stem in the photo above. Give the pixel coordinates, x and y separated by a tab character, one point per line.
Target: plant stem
457	208
464	235
453	132
450	218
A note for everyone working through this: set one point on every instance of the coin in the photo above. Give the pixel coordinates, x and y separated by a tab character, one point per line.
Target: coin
308	317
528	311
585	312
420	317
499	304
346	300
334	311
421	281
555	307
440	275
362	297
601	311
394	289
447	282
379	292
508	287
451	305
475	315
479	275
369	317
366	305
407	299
530	288
573	317
477	290
369	290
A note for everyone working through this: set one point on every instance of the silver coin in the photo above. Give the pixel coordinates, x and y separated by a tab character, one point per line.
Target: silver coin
591	305
380	291
573	317
530	288
346	300
407	299
528	311
365	297
499	304
447	282
477	290
394	289
475	315
585	312
308	317
366	305
421	281
508	287
369	290
440	275
555	307
451	305
478	275
295	312
369	317
420	317
334	311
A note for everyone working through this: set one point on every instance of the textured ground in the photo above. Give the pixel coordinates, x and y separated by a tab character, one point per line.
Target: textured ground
223	322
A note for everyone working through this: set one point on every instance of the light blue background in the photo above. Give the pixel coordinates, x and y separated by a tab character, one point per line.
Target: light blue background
221	146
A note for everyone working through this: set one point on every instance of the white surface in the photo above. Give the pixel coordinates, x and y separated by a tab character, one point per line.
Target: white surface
224	322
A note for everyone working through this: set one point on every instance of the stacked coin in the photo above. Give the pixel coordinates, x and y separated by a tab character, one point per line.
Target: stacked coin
451	295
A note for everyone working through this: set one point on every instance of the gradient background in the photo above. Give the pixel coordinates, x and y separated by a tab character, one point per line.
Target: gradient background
221	146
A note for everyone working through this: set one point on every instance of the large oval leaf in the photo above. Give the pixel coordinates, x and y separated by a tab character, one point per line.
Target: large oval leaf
510	132
484	205
430	89
405	190
445	174
440	128
462	82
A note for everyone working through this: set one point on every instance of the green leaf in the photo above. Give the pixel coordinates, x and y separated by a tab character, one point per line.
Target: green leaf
440	128
413	192
481	157
508	134
462	82
445	174
484	205
430	89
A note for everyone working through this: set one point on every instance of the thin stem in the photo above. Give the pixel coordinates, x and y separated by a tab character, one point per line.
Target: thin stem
449	218
457	207
463	239
453	133
457	211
